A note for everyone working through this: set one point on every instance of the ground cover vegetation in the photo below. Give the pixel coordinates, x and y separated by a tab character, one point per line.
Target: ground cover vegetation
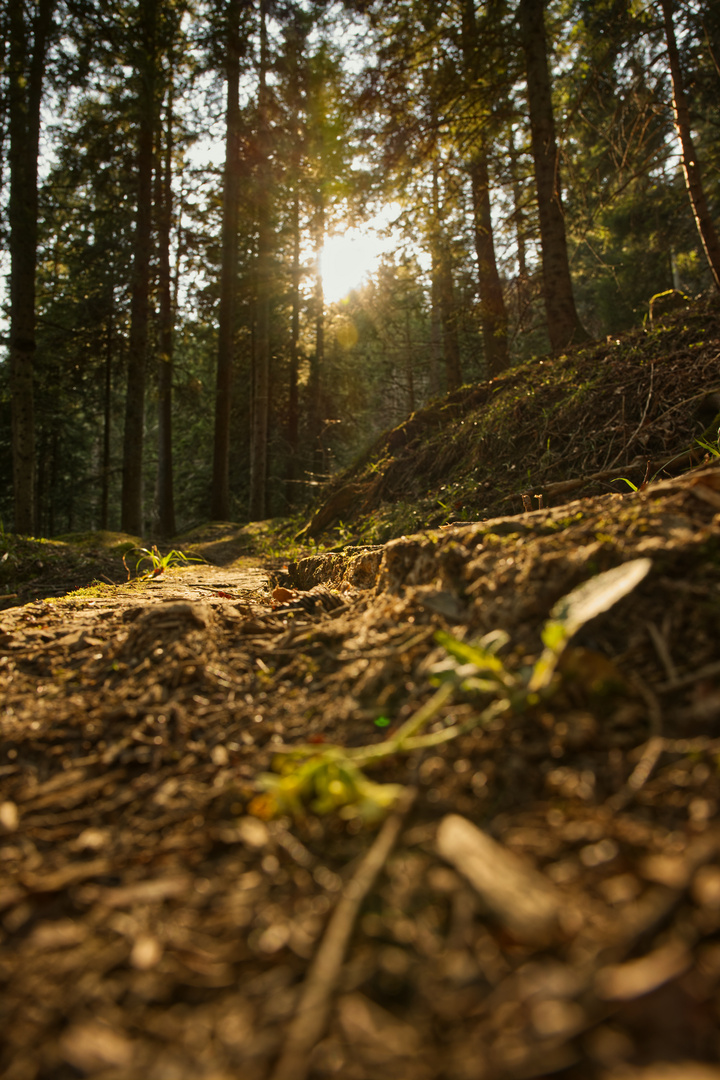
173	170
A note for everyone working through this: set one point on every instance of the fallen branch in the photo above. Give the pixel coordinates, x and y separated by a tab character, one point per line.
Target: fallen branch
312	1012
562	487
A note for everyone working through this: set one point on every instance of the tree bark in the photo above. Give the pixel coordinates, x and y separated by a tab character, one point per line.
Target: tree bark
443	290
261	367
220	492
493	313
164	490
107	412
131	513
297	38
317	359
492	302
564	326
293	418
27	52
690	164
522	292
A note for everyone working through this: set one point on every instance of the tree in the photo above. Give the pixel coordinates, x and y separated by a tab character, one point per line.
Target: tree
296	35
492	302
30	36
564	326
261	358
220	491
164	203
690	163
146	77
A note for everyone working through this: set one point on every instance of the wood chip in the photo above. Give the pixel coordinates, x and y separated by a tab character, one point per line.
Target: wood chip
625	982
522	899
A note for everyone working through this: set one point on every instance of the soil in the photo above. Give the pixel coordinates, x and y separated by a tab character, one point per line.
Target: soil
543	898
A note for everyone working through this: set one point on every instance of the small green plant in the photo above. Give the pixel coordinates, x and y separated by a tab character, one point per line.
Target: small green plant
624	480
711	449
332	778
158	563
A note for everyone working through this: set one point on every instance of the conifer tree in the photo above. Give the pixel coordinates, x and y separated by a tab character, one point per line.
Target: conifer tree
30	31
690	164
564	326
220	491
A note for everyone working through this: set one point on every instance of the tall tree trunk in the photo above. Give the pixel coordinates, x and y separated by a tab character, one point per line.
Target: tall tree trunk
436	351
261	367
27	52
523	298
220	492
293	417
131	512
409	365
317	358
297	38
443	291
690	164
107	412
492	302
493	313
164	492
564	326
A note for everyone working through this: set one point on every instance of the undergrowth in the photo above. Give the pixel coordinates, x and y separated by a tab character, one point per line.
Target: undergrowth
333	778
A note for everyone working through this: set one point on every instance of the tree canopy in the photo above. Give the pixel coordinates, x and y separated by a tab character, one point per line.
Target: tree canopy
532	174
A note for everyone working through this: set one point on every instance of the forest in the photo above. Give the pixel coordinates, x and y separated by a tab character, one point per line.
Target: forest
172	171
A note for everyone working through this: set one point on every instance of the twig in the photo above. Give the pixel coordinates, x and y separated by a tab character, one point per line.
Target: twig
646	479
642	418
661	648
706	672
312	1012
653	705
640	774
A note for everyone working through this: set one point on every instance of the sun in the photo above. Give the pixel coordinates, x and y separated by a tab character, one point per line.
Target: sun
348	260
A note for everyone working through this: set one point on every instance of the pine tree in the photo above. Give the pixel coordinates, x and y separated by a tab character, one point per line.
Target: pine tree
564	326
690	164
30	32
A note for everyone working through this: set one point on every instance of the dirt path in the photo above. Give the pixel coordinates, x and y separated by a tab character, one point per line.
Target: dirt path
155	921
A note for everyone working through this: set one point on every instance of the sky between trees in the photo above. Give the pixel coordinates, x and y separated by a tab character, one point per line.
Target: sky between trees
172	171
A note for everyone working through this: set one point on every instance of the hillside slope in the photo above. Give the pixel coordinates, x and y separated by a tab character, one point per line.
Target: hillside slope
557	427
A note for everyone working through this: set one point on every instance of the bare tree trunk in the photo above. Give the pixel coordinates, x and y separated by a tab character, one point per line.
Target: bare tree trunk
443	289
317	359
436	353
492	302
132	481
690	164
220	491
409	365
164	491
297	38
522	292
261	369
293	396
28	47
107	412
564	326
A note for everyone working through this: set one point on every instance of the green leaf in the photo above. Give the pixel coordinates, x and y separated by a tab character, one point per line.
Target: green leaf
624	480
481	655
576	609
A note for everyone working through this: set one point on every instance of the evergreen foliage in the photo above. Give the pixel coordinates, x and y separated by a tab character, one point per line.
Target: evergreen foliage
154	264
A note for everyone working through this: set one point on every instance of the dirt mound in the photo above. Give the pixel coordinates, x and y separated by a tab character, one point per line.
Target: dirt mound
573	422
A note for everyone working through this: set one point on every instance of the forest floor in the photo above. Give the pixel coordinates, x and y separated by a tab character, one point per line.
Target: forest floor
542	896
